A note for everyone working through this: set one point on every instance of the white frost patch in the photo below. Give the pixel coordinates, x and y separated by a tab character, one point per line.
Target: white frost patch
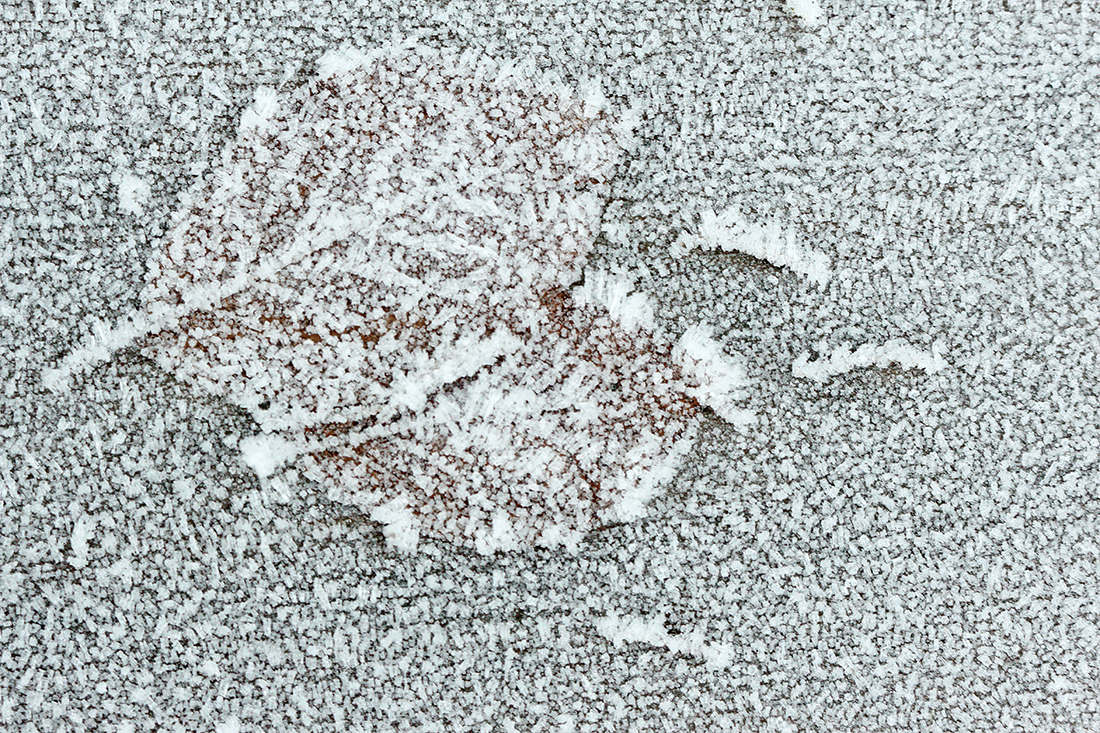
133	193
730	232
718	379
232	724
401	530
82	532
808	10
502	536
844	359
634	629
265	454
631	310
264	107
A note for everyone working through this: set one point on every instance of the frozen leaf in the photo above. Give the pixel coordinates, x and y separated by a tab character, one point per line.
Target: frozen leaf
381	272
367	241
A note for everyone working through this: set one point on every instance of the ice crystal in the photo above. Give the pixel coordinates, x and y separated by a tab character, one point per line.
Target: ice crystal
808	10
384	274
730	231
843	359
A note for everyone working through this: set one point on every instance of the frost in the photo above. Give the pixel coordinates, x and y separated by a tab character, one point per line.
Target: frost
844	359
78	540
265	454
886	551
231	724
264	107
730	232
133	193
808	10
401	528
98	347
635	629
114	14
718	380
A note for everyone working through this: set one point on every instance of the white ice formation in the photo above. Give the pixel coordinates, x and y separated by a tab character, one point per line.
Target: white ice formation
652	632
731	232
809	11
844	359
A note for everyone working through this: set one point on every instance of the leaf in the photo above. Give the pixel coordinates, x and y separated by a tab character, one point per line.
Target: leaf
380	273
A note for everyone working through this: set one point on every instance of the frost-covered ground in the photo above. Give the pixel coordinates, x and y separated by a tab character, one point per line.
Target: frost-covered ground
906	539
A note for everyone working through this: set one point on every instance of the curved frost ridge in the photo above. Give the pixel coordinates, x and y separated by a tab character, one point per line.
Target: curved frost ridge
638	630
97	348
718	380
731	232
845	359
